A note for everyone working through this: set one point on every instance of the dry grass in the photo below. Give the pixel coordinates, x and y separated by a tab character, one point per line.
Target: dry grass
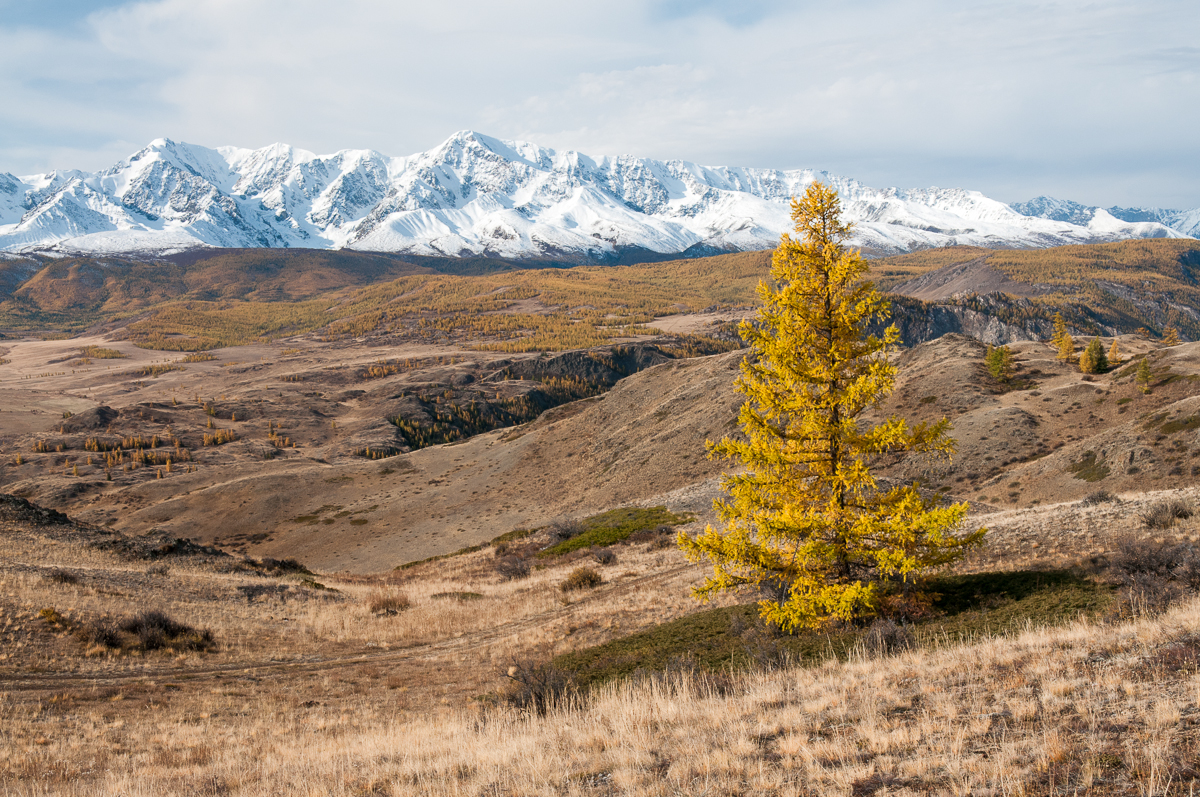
1086	709
309	691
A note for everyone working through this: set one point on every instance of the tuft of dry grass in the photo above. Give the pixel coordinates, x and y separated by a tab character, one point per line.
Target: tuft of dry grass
581	578
1164	514
388	602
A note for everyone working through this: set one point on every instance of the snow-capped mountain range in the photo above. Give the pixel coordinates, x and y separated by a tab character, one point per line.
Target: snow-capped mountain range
477	195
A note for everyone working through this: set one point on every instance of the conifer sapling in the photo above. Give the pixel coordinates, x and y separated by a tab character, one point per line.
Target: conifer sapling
1144	375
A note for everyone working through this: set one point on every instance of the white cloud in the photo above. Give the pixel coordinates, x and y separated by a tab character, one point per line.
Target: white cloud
1091	100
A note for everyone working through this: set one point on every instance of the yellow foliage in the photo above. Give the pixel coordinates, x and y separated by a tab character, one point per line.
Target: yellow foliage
806	520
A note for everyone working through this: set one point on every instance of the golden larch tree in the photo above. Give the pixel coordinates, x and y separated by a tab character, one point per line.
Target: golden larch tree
1060	329
1170	336
1114	354
1061	340
806	522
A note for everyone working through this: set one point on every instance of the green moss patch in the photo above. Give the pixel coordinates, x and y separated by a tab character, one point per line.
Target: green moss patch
1089	469
616	525
1187	424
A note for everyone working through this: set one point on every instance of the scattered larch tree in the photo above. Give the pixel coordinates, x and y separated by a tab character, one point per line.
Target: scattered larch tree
1093	360
1066	349
1170	336
1114	355
806	523
1143	375
999	362
1061	340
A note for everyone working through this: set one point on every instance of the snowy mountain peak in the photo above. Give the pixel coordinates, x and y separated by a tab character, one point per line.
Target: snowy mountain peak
478	195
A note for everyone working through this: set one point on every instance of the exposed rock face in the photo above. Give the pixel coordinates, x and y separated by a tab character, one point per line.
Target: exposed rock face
919	323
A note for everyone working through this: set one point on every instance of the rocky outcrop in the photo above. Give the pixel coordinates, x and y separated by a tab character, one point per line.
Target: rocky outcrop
920	322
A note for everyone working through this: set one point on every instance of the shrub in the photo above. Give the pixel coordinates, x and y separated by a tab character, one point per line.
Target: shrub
582	578
565	529
102	632
512	568
537	687
386	602
59	576
458	596
1099	497
52	618
1140	557
1153	575
1162	515
281	566
886	638
155	630
604	556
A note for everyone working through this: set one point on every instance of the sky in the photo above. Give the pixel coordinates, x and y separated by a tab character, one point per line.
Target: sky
1098	102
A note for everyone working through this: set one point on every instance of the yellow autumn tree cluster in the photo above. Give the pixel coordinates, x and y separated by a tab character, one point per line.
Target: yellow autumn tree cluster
806	522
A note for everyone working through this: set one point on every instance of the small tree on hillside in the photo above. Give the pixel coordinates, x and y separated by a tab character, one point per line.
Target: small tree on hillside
1093	360
806	522
1065	346
1114	355
1144	375
1170	336
1060	329
999	361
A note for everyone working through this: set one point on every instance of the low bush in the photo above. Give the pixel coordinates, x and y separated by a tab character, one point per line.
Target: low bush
582	578
388	602
101	632
155	630
458	596
1153	575
1162	515
565	529
59	576
605	556
538	687
1099	497
512	567
282	566
886	638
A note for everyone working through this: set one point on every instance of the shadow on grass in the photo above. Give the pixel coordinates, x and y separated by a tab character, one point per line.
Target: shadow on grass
969	607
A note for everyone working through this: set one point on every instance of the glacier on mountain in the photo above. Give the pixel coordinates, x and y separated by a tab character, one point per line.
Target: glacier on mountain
479	196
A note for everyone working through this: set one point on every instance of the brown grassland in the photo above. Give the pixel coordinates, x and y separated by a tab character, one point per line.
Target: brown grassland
489	599
312	687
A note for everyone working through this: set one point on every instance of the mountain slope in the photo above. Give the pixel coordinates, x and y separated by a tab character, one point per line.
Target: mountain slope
476	195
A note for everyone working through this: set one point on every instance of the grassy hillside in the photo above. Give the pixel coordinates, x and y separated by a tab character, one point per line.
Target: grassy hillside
205	300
